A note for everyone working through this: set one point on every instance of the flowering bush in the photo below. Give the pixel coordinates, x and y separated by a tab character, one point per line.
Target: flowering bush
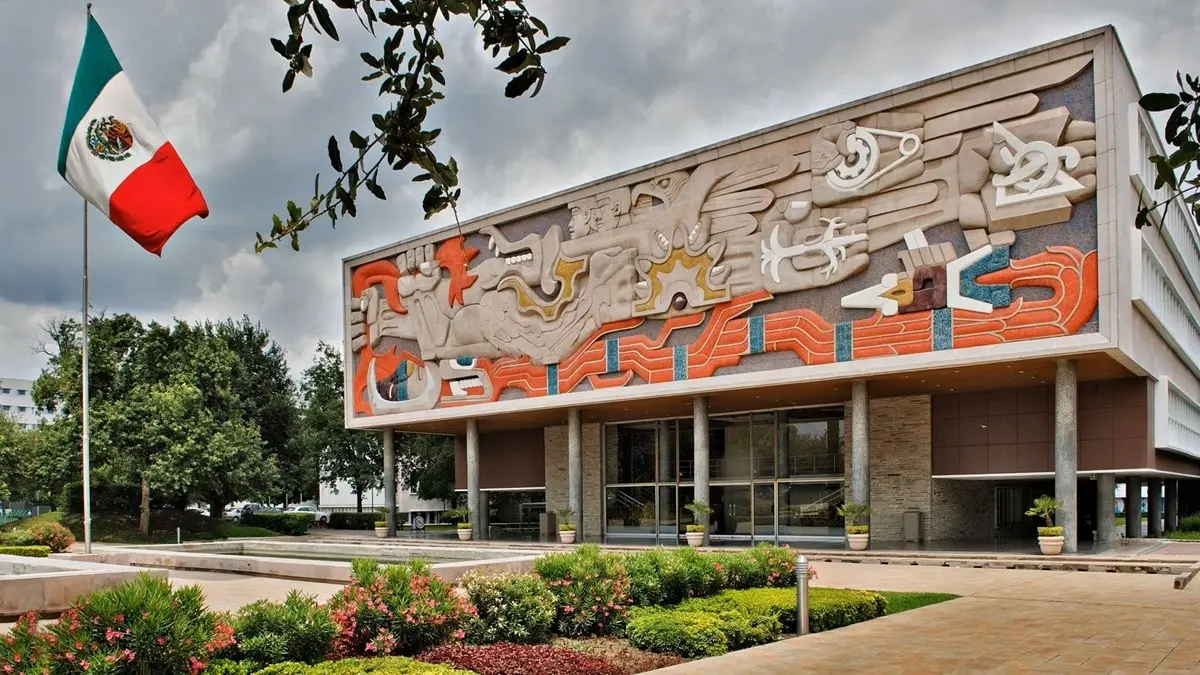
142	627
298	629
57	537
669	576
777	564
591	589
511	608
396	609
510	659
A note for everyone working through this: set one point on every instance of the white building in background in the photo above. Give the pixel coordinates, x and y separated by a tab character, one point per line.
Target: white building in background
16	401
340	497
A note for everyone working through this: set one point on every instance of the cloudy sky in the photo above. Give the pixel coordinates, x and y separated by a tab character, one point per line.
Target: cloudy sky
641	80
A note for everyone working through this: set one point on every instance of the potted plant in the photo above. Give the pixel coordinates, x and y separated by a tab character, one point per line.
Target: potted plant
566	525
464	522
464	531
381	529
1050	538
858	536
696	531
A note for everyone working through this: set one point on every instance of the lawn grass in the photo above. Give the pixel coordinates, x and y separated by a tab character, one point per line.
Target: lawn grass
899	601
122	528
1189	536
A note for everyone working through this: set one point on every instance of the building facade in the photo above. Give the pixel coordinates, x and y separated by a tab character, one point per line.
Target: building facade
933	301
16	401
340	497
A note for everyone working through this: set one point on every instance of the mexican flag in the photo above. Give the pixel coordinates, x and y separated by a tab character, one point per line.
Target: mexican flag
114	155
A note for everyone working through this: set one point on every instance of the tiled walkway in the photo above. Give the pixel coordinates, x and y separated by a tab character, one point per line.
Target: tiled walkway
1009	621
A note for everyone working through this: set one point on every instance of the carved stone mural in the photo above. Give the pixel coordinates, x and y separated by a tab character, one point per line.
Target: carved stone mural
949	223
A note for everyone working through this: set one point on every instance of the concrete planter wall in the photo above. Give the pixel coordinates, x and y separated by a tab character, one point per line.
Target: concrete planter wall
49	585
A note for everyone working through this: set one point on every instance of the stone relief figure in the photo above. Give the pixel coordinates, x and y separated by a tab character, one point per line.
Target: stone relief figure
450	324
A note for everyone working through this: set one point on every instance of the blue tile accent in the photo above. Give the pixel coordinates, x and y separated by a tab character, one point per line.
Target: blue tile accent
996	295
756	334
465	361
843	339
680	362
551	379
943	328
611	362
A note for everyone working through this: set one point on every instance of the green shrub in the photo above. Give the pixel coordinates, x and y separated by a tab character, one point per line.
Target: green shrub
692	635
1190	523
777	564
298	629
743	630
828	608
26	551
382	666
16	538
1050	532
353	521
857	529
591	589
284	523
511	608
396	610
228	667
669	576
741	570
57	537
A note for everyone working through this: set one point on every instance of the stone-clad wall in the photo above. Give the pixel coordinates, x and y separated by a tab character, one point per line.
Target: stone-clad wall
557	492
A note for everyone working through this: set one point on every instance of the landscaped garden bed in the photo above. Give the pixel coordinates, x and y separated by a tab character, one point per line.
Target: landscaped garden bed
583	612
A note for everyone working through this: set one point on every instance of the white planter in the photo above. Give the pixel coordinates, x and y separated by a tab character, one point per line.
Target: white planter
858	542
1051	545
695	538
464	534
381	532
566	536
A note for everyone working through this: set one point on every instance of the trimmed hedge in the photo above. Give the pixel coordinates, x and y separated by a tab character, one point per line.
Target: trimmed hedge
17	538
354	521
283	523
1190	523
690	633
393	665
828	608
26	551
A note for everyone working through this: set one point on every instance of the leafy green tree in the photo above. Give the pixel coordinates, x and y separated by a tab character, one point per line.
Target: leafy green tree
346	454
426	462
1179	170
410	81
11	460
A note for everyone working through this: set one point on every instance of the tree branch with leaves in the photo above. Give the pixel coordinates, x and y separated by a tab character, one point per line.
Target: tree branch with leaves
1177	171
411	80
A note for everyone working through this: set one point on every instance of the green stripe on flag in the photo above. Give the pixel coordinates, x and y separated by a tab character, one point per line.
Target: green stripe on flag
97	65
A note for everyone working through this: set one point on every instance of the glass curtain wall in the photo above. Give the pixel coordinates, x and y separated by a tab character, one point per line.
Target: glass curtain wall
773	476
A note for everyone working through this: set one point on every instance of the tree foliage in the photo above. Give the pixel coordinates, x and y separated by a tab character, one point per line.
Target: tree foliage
346	454
1179	170
411	82
426	462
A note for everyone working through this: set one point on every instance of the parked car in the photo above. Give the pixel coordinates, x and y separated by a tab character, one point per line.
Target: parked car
252	507
318	515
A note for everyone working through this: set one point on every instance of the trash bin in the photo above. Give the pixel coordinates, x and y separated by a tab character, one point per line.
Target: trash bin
914	520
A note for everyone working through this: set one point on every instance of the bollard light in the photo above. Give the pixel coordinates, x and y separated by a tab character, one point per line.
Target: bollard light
801	595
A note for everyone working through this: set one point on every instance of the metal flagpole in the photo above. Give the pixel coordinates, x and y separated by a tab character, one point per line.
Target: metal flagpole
87	455
87	459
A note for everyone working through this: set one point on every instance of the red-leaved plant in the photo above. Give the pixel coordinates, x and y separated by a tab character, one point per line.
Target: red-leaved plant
57	537
509	659
396	610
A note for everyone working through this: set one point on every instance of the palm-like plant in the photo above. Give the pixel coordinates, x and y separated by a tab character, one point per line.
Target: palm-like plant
1044	508
700	511
566	519
853	511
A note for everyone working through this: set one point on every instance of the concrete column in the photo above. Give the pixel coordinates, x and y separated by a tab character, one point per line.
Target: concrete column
389	479
1172	505
860	449
473	501
1066	454
1154	507
700	453
575	467
1106	498
1133	507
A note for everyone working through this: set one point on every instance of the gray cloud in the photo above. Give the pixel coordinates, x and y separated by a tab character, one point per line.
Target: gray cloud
641	80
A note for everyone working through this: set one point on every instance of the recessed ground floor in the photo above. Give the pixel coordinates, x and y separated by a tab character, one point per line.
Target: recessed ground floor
948	455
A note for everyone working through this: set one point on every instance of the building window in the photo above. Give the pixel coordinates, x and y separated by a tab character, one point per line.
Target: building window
773	475
21	408
5	390
412	490
6	408
20	392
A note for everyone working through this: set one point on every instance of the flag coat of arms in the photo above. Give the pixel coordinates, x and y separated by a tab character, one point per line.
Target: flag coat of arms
114	155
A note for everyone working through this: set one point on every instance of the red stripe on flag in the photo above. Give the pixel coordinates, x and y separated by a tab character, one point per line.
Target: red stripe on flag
156	199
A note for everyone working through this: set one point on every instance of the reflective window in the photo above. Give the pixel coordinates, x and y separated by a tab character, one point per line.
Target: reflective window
630	456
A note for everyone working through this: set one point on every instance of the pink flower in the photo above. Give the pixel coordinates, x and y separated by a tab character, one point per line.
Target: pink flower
459	634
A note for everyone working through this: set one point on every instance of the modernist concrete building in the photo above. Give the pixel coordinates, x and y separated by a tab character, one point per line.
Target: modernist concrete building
933	300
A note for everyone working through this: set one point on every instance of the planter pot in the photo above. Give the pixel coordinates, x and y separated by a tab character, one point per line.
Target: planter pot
858	542
695	538
464	535
1051	545
381	532
566	536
